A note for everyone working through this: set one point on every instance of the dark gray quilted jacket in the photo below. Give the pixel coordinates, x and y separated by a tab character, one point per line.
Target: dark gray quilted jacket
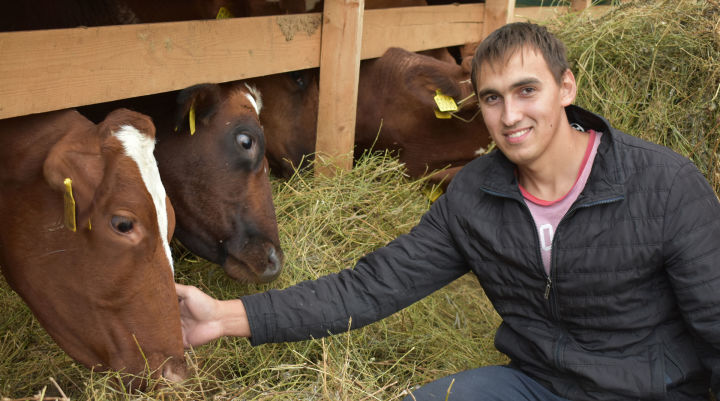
630	311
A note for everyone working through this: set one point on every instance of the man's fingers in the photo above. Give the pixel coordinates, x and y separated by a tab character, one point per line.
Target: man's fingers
182	290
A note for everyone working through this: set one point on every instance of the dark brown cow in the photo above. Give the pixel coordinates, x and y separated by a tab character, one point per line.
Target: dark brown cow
104	292
290	110
216	177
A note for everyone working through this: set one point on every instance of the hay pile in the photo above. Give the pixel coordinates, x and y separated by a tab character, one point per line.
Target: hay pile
653	69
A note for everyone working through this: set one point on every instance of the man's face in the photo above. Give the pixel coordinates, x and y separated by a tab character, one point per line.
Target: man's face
523	105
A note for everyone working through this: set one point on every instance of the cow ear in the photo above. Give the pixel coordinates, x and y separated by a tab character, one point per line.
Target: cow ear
425	79
196	105
76	156
428	84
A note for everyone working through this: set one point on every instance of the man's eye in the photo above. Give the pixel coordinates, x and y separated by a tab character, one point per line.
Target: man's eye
490	99
527	90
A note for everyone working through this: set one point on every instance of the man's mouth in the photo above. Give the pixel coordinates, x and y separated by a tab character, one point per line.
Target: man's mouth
517	134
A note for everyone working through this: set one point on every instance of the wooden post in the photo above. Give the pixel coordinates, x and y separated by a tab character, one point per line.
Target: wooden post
339	70
497	14
579	5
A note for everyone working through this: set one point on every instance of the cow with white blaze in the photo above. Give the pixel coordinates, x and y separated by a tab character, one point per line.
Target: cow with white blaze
84	231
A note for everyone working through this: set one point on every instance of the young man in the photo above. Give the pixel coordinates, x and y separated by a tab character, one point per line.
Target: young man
600	251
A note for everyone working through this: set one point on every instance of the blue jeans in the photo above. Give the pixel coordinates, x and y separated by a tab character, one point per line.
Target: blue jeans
490	383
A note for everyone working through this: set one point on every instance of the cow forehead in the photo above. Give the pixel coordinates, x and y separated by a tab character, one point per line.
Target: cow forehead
139	147
254	97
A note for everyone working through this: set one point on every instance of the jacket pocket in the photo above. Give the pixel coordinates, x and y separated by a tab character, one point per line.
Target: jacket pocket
635	373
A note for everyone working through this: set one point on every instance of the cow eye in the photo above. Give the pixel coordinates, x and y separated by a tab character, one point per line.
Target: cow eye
122	224
298	78
244	140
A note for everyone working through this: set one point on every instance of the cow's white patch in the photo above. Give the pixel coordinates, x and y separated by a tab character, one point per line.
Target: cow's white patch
254	97
139	147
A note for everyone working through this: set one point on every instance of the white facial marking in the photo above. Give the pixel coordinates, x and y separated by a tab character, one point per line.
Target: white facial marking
254	98
140	148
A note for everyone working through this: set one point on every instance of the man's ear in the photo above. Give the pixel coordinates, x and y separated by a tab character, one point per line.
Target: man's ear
76	156
196	106
568	88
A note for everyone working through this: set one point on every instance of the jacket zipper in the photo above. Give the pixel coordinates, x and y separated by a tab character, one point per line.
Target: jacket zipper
549	289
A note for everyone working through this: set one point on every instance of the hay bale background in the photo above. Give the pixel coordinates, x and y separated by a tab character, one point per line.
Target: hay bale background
653	69
652	79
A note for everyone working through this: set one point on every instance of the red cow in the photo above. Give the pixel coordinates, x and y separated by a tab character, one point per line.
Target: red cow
395	111
217	176
90	256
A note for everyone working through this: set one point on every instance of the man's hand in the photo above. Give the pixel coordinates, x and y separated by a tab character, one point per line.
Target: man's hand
204	318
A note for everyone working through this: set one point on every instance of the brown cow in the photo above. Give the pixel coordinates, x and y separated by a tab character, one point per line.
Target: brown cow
395	111
290	110
96	269
217	177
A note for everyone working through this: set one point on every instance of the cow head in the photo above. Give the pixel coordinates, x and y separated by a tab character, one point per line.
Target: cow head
216	174
396	110
289	116
104	291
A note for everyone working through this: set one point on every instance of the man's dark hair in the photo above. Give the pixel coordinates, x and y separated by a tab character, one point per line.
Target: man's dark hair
502	43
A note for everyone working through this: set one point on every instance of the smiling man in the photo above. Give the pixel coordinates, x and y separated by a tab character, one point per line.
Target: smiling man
600	252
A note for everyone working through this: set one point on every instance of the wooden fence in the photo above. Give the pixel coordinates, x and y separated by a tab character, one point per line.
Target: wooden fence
47	70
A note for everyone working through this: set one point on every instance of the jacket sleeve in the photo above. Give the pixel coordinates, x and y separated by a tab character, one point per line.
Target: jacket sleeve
691	237
381	283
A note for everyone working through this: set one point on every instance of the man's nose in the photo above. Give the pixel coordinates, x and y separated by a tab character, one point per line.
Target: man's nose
511	114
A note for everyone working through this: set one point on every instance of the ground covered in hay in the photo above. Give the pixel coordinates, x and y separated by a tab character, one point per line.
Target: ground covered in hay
652	68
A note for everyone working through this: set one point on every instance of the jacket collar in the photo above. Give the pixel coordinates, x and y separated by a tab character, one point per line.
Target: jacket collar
606	180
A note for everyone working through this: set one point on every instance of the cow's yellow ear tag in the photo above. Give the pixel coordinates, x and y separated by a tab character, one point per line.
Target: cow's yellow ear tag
444	102
433	193
70	221
191	117
224	13
443	114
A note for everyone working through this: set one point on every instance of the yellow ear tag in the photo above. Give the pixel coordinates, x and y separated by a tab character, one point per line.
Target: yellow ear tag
443	115
70	221
444	102
224	13
433	193
191	116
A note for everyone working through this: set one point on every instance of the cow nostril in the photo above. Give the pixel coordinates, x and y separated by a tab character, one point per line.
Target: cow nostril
273	267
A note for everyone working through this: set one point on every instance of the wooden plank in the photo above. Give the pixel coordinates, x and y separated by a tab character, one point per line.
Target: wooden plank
339	69
539	14
497	14
579	5
54	69
421	28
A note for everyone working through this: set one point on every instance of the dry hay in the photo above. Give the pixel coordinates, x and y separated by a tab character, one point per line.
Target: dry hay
652	68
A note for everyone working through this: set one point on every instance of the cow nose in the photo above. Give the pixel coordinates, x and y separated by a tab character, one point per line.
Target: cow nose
273	268
174	373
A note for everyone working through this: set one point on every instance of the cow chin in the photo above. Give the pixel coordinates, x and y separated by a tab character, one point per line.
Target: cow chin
258	262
